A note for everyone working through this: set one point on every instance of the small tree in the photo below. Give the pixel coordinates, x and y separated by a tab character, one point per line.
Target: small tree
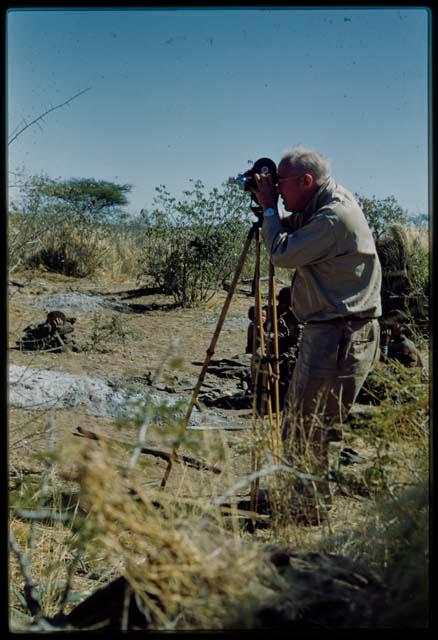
68	221
88	199
381	214
193	244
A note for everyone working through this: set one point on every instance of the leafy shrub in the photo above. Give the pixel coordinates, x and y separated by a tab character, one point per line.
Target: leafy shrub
193	244
381	213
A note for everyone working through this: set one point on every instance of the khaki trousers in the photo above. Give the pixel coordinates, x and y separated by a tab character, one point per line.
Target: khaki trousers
333	362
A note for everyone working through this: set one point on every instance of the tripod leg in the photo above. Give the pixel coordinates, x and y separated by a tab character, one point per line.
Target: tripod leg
265	398
211	348
277	436
258	331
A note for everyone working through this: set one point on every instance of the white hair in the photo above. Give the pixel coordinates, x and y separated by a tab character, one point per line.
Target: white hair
307	161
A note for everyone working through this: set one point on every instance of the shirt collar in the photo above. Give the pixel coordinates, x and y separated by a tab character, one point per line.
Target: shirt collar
312	206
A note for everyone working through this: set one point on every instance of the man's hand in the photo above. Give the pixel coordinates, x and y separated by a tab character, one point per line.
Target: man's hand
267	195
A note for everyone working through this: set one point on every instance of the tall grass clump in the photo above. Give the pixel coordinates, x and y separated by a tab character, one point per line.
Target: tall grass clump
390	534
123	250
418	260
188	571
183	565
390	530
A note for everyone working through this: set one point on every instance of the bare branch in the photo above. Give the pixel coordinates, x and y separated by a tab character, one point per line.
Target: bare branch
41	515
30	593
149	411
58	106
70	571
265	471
164	455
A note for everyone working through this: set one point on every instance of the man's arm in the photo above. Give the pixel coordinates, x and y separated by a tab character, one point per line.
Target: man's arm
311	243
293	221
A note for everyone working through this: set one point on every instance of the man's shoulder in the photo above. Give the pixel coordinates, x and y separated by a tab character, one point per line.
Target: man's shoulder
344	213
343	199
336	201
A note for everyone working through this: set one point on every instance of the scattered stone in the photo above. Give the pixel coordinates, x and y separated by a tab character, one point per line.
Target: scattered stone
75	301
42	389
112	607
234	401
31	388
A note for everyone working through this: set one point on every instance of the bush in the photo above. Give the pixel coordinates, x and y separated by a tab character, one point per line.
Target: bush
382	213
193	244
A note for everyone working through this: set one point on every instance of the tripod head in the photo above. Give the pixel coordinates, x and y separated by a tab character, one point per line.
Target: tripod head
246	181
257	211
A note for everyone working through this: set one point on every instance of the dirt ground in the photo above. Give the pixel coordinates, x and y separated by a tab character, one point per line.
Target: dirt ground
143	348
139	345
134	350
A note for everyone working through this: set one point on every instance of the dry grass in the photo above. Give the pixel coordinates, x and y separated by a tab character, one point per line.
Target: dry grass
178	558
62	247
422	236
123	252
194	568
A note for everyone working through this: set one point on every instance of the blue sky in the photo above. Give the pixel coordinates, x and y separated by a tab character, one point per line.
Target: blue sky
182	94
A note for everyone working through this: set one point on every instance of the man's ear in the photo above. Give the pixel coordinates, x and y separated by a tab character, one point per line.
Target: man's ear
308	180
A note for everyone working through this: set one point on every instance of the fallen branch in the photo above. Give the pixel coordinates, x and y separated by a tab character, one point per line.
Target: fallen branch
264	471
158	453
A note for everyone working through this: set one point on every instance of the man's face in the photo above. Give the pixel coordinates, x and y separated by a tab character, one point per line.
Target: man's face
295	190
396	329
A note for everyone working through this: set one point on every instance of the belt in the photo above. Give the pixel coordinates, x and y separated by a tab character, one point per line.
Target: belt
351	318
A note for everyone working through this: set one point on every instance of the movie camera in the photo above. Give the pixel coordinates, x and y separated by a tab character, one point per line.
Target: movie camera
246	180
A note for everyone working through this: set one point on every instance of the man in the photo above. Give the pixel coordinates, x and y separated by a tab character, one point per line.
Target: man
253	326
335	294
52	335
395	344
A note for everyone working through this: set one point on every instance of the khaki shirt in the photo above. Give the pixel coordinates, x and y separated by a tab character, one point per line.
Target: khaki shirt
332	249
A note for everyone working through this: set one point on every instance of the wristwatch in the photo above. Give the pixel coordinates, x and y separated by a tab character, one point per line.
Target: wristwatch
269	212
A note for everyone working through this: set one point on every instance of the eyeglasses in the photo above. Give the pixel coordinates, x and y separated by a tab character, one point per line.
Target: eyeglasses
281	180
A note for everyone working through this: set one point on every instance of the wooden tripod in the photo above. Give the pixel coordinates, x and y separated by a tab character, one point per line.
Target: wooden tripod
263	356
